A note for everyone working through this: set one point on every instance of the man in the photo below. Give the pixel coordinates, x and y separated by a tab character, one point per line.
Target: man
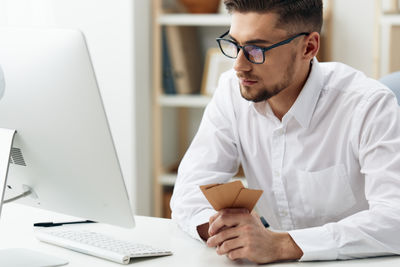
321	139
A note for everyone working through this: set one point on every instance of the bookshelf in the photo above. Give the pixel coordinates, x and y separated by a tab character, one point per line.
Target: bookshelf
194	19
176	116
188	101
386	37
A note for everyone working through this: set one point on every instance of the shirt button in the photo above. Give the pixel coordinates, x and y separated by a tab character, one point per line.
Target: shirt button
283	213
277	173
280	132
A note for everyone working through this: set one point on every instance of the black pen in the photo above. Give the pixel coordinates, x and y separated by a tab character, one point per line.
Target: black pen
51	224
264	222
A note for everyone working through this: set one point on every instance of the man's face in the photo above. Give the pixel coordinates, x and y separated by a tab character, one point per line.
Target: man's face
259	82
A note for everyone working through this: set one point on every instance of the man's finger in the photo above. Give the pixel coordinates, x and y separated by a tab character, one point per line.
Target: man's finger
229	245
213	218
225	211
236	254
227	218
222	236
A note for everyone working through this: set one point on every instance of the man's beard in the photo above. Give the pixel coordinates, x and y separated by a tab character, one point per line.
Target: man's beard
264	93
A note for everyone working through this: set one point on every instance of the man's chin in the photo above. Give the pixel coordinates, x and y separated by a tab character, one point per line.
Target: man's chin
258	97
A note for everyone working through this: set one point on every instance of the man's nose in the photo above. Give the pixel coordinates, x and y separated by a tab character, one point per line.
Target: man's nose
241	62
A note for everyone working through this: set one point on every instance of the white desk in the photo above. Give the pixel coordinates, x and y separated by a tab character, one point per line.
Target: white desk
16	230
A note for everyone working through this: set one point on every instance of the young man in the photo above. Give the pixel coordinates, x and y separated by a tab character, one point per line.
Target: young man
321	139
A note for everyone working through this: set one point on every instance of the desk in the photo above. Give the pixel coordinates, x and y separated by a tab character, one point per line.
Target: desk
16	231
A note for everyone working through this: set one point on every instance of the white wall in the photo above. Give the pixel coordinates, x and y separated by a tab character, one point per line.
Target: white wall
117	33
353	33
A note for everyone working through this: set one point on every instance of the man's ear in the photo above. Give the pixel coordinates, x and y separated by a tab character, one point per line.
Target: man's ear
312	44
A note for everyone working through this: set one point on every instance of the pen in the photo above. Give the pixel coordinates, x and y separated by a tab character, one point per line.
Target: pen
51	224
264	222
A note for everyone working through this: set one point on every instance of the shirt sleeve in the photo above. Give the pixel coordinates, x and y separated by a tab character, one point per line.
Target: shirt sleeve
375	231
211	158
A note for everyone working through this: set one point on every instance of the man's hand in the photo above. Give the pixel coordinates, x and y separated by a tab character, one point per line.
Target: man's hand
241	235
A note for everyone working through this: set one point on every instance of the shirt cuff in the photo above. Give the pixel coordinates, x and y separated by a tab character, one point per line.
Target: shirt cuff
200	218
317	243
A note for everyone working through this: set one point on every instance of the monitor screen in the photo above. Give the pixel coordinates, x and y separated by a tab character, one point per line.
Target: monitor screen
63	149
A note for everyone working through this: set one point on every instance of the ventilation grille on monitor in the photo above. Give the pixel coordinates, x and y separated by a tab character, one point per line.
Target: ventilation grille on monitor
16	157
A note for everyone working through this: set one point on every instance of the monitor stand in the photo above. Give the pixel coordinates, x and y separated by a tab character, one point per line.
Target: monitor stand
18	257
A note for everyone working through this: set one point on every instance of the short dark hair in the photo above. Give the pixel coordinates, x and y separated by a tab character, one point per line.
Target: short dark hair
294	15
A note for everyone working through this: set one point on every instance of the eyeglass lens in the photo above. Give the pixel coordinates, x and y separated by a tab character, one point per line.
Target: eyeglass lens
229	48
253	53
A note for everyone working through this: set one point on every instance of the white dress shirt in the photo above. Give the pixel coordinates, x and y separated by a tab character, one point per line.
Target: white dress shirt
330	170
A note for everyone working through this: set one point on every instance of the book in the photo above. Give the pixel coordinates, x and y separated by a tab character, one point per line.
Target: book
168	82
185	57
216	63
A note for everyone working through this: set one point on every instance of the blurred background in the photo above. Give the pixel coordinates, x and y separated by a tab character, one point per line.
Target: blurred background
157	66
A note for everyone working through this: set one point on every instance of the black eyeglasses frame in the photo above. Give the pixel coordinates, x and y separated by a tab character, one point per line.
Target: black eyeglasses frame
263	49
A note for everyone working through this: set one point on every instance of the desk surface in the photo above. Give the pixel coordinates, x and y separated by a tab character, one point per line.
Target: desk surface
16	230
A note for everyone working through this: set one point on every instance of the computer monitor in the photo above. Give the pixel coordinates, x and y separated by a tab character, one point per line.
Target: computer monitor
63	149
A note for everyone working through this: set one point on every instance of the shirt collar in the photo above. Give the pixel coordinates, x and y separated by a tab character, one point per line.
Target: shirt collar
304	106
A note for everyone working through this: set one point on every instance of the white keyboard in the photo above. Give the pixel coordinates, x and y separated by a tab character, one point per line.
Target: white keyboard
99	245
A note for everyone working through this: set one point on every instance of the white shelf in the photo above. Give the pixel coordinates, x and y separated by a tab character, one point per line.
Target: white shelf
193	101
169	179
392	19
195	19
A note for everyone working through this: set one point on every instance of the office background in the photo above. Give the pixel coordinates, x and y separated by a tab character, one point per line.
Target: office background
121	35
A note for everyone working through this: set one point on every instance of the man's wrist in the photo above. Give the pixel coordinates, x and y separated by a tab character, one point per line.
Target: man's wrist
289	250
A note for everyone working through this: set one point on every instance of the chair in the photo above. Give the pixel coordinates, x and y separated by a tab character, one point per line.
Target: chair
392	81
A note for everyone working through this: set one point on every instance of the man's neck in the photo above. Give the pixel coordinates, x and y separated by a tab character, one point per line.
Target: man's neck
282	102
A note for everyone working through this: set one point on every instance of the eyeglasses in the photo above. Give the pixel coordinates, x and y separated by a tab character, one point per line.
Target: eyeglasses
254	54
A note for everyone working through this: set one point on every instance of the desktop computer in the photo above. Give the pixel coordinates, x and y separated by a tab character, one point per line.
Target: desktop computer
62	156
63	149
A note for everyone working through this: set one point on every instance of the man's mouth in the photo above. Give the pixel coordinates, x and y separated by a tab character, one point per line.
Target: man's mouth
247	82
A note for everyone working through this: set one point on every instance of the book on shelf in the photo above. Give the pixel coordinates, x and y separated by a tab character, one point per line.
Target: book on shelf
216	64
168	82
183	46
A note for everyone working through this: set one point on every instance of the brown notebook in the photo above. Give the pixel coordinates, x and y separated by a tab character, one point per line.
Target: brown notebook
231	195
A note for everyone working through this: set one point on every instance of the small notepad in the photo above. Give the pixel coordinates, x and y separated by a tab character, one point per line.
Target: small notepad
231	195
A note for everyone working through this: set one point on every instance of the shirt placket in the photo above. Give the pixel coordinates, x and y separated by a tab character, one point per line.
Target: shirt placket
278	150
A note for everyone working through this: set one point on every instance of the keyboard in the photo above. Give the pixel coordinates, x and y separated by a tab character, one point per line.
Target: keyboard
97	244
